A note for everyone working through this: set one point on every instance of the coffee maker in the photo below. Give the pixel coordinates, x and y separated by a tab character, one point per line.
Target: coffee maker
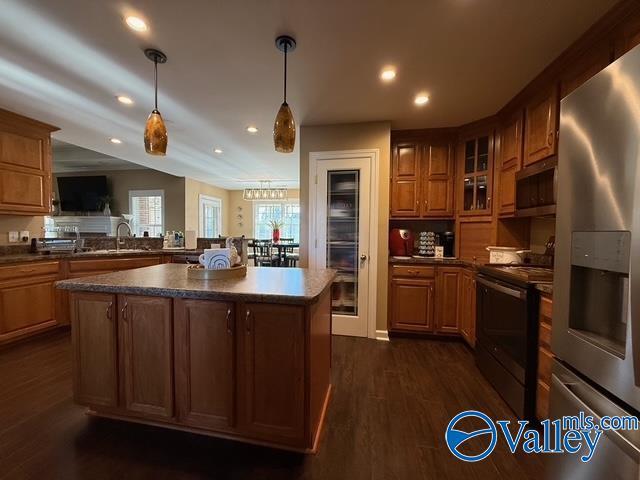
447	240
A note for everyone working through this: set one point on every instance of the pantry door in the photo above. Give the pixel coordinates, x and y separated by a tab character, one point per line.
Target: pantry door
341	238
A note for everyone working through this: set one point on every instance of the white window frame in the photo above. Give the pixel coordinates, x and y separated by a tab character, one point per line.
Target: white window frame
202	200
292	201
148	193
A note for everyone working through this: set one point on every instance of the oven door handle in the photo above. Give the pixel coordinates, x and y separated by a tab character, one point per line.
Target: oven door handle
502	288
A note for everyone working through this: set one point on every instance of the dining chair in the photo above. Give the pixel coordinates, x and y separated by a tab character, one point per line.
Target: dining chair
263	254
289	257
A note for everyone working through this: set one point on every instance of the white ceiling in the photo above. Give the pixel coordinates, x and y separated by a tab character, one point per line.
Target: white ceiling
71	158
63	62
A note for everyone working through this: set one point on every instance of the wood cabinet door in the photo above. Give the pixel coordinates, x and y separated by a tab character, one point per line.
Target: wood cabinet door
541	124
467	307
437	181
146	354
412	304
447	301
94	340
474	165
472	238
271	369
405	181
204	334
27	305
511	145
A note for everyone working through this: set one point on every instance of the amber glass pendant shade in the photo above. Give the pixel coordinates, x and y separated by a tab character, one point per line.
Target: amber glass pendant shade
155	134
284	130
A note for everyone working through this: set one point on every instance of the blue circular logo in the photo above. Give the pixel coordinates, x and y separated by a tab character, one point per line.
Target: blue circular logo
455	437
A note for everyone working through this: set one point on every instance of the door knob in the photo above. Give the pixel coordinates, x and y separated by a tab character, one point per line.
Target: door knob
363	257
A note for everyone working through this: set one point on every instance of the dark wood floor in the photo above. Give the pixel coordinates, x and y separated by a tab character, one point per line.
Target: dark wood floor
390	407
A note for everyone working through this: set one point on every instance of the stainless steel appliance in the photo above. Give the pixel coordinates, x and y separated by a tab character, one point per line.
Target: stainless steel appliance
596	318
507	331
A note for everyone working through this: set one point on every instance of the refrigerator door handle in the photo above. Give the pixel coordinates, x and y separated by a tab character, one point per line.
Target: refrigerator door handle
589	401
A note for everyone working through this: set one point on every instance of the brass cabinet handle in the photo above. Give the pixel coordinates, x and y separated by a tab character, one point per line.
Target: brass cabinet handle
550	138
229	329
29	270
109	316
246	322
124	311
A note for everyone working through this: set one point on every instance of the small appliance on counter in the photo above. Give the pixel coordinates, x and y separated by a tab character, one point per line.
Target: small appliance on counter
506	255
401	242
447	241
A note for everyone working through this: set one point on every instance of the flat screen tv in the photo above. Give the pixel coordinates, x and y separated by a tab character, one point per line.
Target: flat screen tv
82	194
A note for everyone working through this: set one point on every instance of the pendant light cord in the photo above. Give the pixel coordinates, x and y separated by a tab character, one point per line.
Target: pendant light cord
155	63
286	44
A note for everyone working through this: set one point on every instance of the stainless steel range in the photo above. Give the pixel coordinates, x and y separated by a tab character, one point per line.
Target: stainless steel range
507	331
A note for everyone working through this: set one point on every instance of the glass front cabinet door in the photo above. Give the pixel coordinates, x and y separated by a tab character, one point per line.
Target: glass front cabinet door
475	156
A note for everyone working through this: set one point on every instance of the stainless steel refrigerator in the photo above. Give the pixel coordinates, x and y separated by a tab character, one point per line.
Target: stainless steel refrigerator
596	292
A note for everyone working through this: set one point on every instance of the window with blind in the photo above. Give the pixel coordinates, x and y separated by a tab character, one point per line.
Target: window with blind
210	213
147	208
286	213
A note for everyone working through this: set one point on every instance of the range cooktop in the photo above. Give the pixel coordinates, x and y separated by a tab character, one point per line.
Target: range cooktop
520	273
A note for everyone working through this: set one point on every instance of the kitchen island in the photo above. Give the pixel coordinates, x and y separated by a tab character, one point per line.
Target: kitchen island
246	359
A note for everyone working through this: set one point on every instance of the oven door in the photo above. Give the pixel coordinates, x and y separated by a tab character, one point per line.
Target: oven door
502	317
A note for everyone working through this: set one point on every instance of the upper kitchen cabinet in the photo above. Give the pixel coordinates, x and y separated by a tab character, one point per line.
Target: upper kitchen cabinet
437	181
587	65
405	180
25	165
541	125
475	164
510	162
422	176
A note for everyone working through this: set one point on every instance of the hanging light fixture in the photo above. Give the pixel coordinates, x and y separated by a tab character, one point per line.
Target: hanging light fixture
264	192
284	128
155	132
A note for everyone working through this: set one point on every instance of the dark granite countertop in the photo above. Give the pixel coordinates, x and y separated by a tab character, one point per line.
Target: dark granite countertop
262	284
39	257
545	288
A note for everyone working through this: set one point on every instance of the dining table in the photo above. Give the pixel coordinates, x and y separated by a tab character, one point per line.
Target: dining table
282	247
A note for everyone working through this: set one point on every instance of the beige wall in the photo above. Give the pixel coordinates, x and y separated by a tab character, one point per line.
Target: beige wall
18	223
238	206
121	181
192	191
351	137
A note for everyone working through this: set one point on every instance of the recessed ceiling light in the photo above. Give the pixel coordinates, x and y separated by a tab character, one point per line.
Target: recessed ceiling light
117	141
217	150
252	129
124	99
388	74
421	99
136	23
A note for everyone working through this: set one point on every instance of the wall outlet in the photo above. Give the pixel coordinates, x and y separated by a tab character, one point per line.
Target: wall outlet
14	237
24	235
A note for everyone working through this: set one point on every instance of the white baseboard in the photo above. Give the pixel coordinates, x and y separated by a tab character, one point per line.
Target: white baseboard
382	335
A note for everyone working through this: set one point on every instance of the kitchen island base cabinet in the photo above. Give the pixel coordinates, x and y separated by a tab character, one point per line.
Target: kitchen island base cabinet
205	363
254	372
146	354
95	349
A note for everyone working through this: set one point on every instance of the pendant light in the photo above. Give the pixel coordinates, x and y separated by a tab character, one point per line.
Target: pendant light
155	132
284	128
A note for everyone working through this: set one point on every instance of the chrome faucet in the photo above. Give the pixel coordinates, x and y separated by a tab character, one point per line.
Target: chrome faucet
119	240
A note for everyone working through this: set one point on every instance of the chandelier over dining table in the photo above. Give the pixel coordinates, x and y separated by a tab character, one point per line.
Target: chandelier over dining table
265	192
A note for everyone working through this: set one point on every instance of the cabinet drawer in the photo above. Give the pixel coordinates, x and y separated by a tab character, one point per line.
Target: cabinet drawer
22	270
542	401
546	310
544	335
111	264
413	271
545	360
